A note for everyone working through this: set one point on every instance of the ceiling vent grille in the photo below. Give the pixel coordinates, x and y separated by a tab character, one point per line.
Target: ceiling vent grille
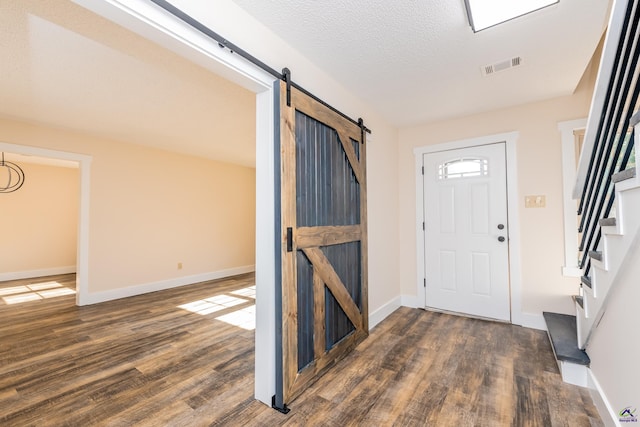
501	66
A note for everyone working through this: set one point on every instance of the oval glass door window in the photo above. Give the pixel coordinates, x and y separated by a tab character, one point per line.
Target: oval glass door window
463	168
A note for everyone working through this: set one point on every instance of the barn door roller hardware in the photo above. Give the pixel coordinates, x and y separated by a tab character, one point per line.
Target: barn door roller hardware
286	76
224	43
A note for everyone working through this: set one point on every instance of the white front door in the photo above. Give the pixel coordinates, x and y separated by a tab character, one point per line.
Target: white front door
466	231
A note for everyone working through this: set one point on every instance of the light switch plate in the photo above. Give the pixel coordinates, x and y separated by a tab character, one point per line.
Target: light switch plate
535	201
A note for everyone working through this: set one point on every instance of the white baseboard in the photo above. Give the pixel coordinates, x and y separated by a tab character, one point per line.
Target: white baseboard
381	313
608	415
98	297
533	321
54	271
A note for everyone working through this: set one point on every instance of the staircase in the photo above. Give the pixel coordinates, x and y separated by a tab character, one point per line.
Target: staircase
608	188
619	234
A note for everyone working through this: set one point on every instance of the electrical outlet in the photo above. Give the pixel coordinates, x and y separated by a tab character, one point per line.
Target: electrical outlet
535	201
179	266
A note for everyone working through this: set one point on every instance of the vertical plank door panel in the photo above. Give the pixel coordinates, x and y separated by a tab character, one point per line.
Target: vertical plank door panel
324	260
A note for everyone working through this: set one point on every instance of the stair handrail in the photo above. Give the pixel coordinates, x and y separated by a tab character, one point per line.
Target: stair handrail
608	57
607	144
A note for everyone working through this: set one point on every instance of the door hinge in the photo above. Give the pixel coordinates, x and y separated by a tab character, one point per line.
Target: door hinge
425	282
423	170
423	226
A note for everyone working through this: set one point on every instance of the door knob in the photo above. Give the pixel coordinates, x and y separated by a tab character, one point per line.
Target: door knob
500	226
501	239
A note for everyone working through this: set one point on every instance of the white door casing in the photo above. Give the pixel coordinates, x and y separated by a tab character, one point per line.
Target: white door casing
466	231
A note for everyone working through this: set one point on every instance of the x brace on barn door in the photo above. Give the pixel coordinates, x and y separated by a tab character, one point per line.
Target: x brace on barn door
321	251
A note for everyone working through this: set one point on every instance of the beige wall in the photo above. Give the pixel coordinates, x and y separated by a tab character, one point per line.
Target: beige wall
236	25
150	209
40	220
539	172
614	349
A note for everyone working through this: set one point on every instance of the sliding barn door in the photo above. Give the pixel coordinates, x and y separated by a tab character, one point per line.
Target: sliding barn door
323	240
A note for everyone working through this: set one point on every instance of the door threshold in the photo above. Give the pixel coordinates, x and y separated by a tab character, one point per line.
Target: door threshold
471	316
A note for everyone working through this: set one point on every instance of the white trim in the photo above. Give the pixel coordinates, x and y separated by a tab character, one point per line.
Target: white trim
381	313
150	21
533	321
84	161
43	272
154	23
82	273
265	334
421	294
129	291
602	404
566	129
515	269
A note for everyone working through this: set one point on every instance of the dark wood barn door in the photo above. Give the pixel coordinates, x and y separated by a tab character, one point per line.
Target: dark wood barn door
323	239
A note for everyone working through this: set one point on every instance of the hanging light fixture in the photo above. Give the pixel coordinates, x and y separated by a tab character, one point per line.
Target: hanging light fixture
11	176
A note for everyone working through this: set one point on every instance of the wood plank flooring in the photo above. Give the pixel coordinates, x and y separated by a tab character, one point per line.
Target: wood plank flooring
145	361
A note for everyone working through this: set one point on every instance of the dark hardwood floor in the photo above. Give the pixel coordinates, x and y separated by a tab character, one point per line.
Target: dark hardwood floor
184	357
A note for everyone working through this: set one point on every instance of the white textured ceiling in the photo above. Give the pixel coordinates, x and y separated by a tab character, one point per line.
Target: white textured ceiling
418	61
412	61
64	66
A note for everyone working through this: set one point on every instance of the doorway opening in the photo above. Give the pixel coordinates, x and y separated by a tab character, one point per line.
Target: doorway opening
466	231
41	261
48	161
456	165
146	20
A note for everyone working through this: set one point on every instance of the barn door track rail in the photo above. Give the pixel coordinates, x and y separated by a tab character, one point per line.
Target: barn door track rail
285	75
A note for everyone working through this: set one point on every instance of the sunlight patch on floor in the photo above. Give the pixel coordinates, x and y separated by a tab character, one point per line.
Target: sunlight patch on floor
34	292
244	318
14	290
246	292
213	304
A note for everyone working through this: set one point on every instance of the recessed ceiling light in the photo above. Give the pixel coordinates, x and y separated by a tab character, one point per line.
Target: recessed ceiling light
487	13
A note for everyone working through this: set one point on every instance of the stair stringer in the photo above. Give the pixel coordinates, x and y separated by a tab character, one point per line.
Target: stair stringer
616	244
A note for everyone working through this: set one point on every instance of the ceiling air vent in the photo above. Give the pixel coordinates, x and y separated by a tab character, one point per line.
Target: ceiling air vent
501	66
